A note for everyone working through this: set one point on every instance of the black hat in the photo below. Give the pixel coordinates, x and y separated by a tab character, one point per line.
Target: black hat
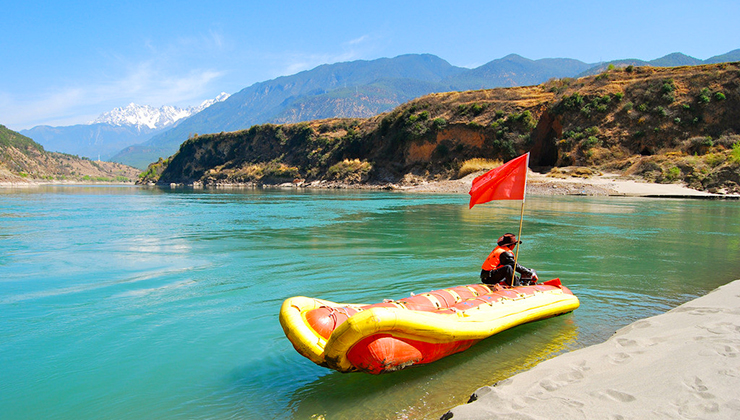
507	239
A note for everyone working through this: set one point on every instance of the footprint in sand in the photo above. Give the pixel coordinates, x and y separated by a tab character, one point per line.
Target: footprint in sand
696	385
715	349
733	373
619	358
722	328
642	324
614	395
626	342
563	379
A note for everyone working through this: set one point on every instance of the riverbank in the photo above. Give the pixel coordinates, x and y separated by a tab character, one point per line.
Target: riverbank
593	185
608	185
683	364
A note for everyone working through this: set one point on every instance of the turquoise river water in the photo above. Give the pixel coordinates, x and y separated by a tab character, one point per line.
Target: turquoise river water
133	303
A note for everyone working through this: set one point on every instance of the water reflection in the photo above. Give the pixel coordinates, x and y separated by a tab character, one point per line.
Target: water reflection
424	391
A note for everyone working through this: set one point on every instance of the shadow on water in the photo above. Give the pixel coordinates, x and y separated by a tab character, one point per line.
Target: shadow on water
428	391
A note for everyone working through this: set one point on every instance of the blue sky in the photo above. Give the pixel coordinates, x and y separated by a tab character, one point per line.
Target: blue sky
64	63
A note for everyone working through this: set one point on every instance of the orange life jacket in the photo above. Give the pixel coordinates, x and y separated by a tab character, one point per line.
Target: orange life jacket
493	261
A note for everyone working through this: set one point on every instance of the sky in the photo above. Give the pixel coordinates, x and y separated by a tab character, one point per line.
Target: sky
65	63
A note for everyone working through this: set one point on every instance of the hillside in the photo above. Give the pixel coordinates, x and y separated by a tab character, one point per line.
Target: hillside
661	124
23	160
360	89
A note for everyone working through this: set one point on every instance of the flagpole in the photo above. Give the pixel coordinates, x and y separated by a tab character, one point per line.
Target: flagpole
521	220
518	238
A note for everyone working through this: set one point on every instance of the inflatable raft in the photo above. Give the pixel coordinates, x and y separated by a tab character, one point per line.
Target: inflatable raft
420	329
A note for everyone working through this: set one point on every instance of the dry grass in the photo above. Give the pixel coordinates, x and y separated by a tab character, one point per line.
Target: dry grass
477	164
352	171
578	172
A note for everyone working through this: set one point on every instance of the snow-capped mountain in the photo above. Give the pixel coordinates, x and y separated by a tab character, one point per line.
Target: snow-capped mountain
115	130
155	118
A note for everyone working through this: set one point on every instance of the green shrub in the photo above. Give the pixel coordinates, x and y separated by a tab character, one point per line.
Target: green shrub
715	159
590	142
673	174
505	148
704	96
642	108
719	96
439	123
574	101
668	87
735	154
629	68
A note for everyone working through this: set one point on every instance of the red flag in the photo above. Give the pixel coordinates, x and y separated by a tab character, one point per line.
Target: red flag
507	182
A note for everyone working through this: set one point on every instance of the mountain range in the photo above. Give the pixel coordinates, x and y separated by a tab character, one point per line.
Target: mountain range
114	130
660	124
356	89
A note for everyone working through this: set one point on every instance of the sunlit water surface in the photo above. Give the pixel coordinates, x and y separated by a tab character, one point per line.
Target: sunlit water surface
129	303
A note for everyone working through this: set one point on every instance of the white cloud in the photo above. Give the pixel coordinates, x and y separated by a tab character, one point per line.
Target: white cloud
355	49
144	85
157	79
358	40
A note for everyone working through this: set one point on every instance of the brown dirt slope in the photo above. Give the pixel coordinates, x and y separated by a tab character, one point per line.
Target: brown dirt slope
676	124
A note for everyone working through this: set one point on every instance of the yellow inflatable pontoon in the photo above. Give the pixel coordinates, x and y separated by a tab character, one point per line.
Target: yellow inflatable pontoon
393	335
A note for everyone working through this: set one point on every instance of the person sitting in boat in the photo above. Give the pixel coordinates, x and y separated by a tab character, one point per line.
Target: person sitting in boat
499	266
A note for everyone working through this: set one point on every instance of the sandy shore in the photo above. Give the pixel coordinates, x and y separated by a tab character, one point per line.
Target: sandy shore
597	185
684	364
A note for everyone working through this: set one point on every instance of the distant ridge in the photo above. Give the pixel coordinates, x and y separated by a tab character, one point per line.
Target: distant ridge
360	89
356	89
515	70
114	130
671	60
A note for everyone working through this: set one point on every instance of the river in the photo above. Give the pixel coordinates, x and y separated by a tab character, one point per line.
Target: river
133	303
